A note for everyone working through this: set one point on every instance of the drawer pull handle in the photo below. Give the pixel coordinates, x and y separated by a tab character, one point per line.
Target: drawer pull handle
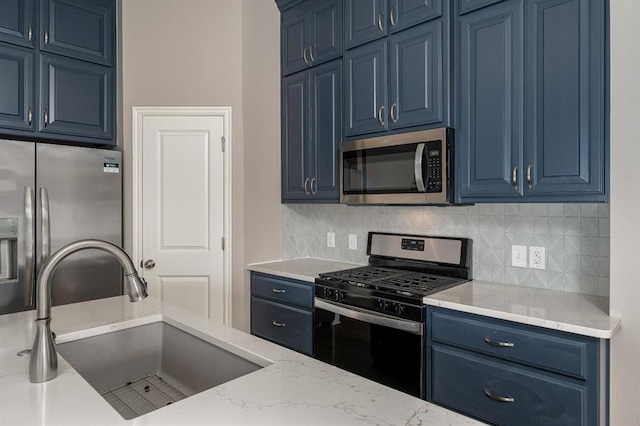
277	290
497	343
498	397
278	324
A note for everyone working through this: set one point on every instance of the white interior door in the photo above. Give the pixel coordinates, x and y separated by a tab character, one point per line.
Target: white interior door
181	210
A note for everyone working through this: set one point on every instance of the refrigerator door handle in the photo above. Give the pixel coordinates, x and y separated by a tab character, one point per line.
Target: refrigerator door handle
29	283
45	228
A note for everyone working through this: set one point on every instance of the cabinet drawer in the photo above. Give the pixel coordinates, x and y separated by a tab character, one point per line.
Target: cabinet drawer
282	290
286	325
540	348
474	384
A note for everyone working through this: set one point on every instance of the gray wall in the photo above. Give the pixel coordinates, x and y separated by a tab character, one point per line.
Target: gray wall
575	236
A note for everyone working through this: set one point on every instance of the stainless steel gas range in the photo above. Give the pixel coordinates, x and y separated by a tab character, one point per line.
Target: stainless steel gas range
371	320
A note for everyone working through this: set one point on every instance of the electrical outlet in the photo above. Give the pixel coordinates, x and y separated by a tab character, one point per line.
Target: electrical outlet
353	242
331	239
519	256
536	257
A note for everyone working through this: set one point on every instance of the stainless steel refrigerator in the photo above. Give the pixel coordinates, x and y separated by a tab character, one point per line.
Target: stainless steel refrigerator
51	195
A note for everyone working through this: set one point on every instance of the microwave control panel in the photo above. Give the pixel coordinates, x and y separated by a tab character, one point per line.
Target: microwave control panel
433	181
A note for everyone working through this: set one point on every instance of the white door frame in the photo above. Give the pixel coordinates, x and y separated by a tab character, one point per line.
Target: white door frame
139	113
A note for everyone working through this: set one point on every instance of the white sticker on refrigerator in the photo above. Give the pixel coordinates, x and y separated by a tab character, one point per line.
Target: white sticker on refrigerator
111	168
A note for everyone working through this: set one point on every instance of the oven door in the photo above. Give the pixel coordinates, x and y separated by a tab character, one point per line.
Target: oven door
379	347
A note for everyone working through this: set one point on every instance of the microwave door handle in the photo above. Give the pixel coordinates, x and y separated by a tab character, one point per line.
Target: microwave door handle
418	167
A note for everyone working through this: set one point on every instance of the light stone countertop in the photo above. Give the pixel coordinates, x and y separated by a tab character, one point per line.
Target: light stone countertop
292	389
303	269
571	312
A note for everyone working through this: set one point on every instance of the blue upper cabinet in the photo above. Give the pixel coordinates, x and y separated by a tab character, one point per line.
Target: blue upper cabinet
82	30
465	6
57	70
366	20
406	13
17	22
310	34
565	92
366	101
311	134
17	100
418	76
490	103
531	107
76	98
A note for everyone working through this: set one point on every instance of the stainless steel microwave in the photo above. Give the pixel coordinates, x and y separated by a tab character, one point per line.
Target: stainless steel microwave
407	168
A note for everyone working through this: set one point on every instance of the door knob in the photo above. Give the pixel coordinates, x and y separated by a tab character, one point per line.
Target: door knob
149	264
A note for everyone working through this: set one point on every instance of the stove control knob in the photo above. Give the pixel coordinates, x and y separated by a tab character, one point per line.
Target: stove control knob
340	295
383	304
328	293
399	309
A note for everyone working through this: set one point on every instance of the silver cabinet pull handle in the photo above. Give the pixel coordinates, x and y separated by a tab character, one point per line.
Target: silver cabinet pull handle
306	186
392	17
394	107
29	283
278	324
30	33
498	343
278	290
314	191
380	117
46	117
46	36
45	229
311	56
498	397
514	178
380	16
30	116
529	181
304	55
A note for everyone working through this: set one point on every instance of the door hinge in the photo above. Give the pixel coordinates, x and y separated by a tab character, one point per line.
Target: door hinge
223	140
222	243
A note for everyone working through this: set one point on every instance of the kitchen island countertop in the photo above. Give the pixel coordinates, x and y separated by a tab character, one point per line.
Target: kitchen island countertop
291	389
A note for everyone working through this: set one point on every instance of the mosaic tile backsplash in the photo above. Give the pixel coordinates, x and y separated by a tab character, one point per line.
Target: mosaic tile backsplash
575	236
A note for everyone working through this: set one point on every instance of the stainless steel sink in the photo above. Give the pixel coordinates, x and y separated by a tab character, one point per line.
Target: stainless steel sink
140	369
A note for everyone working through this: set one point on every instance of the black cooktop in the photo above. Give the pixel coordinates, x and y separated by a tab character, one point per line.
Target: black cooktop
397	281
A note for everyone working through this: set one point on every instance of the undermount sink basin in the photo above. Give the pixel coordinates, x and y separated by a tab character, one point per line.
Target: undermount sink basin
140	369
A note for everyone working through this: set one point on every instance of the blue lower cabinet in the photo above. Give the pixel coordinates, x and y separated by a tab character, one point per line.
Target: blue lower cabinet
507	373
282	311
77	98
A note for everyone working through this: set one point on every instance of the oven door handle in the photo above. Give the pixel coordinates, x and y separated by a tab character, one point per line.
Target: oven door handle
417	167
372	318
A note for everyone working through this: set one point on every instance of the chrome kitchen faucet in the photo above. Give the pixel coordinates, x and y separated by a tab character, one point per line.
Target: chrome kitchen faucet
43	365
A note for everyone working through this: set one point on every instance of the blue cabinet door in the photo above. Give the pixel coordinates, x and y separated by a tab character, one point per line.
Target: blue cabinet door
295	137
366	103
405	13
326	130
490	102
294	40
565	139
17	22
325	31
17	96
76	98
82	30
418	73
365	20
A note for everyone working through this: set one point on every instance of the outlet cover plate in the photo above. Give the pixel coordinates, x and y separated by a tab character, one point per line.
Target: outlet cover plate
353	242
331	239
537	257
519	256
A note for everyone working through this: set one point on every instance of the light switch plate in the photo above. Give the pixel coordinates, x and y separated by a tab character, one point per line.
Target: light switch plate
537	257
353	242
331	239
519	256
